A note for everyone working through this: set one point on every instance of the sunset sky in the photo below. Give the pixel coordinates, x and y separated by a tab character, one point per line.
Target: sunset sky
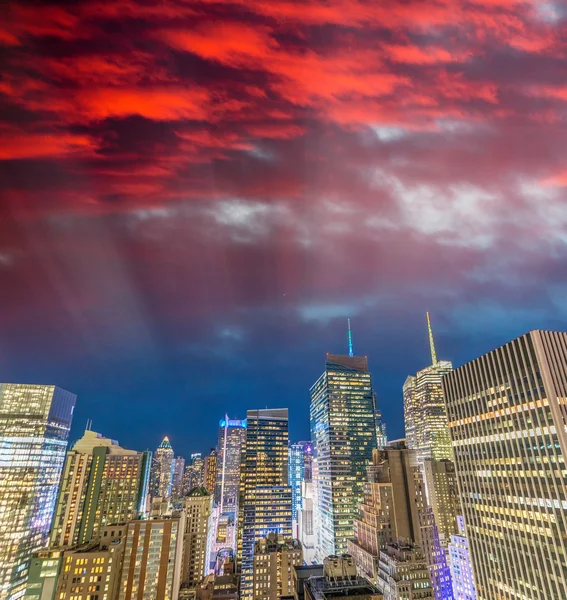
196	195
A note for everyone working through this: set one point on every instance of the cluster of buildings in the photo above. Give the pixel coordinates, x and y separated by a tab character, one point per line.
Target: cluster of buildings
471	505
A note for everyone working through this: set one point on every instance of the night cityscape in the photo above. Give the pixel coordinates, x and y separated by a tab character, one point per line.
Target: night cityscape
282	298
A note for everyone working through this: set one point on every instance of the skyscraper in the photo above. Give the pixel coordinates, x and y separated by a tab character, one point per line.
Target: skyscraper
162	470
210	471
232	433
507	413
265	498
102	483
343	431
177	481
425	416
300	458
34	428
198	506
153	558
460	564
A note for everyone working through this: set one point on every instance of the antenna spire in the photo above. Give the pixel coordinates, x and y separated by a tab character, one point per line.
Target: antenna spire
431	341
350	350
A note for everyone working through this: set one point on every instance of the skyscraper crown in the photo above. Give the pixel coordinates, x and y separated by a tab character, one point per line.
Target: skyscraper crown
165	443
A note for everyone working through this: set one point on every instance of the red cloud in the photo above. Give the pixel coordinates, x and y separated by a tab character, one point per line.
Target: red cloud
34	145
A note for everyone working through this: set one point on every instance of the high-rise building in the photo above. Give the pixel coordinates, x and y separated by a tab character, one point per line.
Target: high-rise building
425	416
232	433
300	458
177	482
507	414
306	523
460	564
265	498
393	507
210	471
162	470
274	559
443	496
153	558
198	506
102	483
34	429
343	431
93	569
403	573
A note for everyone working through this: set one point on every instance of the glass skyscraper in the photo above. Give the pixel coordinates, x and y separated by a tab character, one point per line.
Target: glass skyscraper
425	415
300	459
507	417
265	496
232	433
34	429
343	431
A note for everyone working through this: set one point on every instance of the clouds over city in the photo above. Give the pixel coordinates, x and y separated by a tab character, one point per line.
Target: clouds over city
207	168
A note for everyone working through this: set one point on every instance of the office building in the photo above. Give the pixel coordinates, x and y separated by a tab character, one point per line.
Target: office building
306	523
340	579
300	575
343	431
45	567
507	414
300	459
177	490
460	564
232	433
210	471
443	496
93	570
274	559
425	416
153	558
264	505
102	483
403	573
393	507
34	429
198	506
162	470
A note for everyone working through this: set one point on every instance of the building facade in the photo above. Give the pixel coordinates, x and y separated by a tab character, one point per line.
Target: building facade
232	434
210	471
45	567
425	415
403	573
306	523
274	559
507	418
343	431
264	505
94	569
34	429
300	458
102	483
177	490
162	470
153	559
198	506
460	564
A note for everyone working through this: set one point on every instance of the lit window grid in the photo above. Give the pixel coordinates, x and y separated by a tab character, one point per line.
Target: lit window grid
507	420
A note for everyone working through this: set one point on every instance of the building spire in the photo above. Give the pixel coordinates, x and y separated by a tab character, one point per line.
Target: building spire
431	341
350	350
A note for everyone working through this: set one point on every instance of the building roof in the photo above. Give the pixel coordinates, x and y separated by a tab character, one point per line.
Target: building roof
198	491
165	443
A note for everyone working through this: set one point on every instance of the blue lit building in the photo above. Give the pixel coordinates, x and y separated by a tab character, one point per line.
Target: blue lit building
299	469
34	429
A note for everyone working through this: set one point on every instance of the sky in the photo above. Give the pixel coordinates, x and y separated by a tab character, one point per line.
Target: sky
195	195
